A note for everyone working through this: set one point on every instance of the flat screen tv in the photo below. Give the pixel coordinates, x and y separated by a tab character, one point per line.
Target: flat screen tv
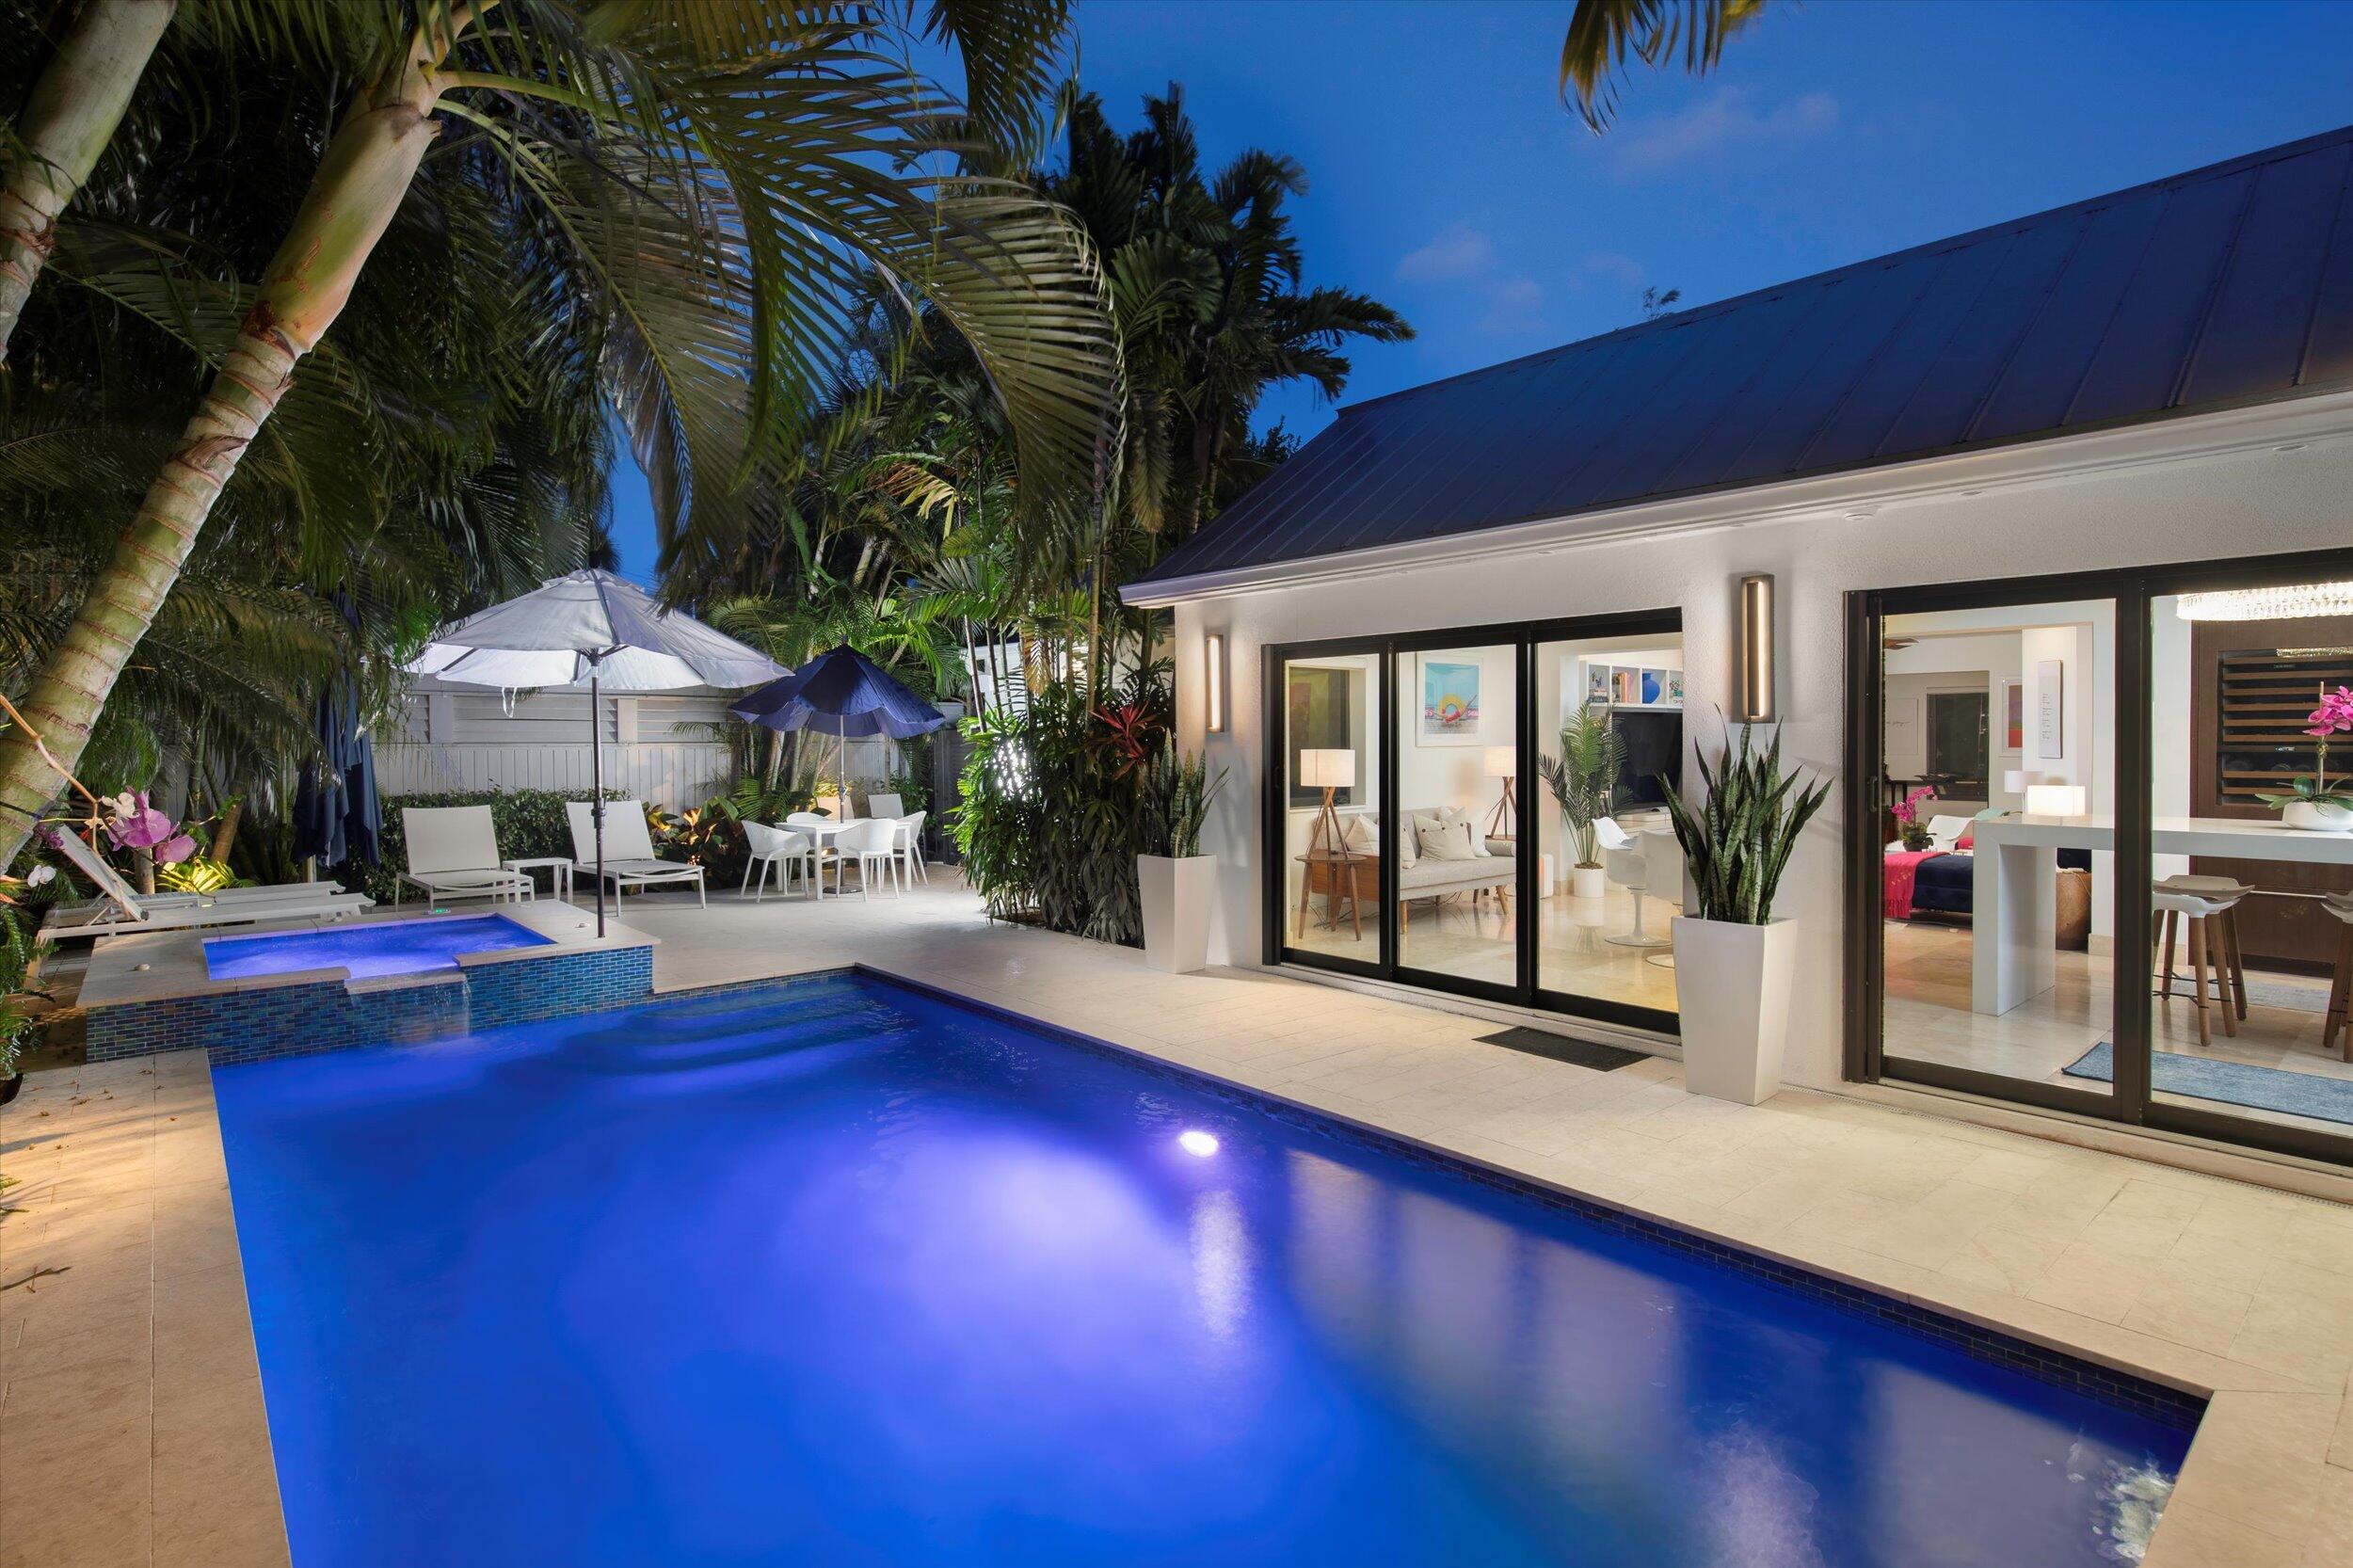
1653	746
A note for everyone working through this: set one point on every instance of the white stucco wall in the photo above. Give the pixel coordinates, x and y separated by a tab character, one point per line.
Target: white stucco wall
2219	507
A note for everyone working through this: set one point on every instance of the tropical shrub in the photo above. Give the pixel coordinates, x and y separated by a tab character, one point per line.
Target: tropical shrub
1583	778
530	824
18	1019
1055	811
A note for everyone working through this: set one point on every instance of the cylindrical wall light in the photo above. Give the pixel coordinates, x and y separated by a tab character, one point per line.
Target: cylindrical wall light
1752	651
1213	681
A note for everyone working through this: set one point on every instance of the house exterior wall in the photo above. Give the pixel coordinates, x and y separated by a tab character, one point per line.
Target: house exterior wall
2154	511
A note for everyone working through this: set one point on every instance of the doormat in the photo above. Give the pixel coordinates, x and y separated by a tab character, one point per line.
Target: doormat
2327	1099
1577	1053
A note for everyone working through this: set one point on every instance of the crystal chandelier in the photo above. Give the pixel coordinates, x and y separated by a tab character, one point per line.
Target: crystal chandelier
2287	601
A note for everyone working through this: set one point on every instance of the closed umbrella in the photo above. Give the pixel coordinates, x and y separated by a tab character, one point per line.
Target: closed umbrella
338	814
595	629
841	693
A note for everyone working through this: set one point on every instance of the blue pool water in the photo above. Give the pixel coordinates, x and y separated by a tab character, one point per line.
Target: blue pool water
841	1274
390	947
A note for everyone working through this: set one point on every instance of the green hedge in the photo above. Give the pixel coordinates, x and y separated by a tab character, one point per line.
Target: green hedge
530	822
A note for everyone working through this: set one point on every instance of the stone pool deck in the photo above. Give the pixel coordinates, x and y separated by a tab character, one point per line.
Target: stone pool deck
131	1429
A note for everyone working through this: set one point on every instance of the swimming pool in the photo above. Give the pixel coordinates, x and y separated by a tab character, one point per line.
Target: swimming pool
843	1273
372	948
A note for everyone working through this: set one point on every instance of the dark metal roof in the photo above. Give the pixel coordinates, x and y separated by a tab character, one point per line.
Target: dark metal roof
2225	285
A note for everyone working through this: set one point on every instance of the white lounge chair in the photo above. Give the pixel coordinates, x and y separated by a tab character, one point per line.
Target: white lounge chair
628	857
774	846
120	911
453	853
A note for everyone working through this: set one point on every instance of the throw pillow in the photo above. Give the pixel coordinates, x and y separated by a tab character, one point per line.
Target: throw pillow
1445	840
1467	822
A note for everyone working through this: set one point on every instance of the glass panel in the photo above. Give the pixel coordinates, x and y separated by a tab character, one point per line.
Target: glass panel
1332	865
1609	738
1997	820
2253	876
1458	843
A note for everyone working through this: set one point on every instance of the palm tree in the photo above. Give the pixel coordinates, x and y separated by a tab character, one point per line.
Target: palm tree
1603	33
66	121
710	180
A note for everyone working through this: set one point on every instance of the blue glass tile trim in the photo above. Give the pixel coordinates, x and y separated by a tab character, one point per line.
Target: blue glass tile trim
231	1027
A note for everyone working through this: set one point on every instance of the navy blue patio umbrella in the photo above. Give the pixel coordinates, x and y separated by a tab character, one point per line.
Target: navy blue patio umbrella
840	692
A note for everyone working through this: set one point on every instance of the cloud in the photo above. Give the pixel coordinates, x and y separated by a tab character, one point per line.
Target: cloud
1613	267
1513	305
1724	122
1458	252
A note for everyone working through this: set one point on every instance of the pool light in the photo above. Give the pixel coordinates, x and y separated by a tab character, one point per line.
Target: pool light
1196	1143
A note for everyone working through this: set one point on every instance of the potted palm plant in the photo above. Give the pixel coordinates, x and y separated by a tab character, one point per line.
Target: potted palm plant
1733	959
1584	781
1175	881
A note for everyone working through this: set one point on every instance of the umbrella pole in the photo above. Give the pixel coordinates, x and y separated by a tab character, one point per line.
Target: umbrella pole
595	786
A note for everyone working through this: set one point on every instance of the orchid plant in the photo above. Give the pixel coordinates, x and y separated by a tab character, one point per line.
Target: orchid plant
2334	717
1906	812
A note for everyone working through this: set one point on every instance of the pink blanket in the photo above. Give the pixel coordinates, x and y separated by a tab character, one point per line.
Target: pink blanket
1897	878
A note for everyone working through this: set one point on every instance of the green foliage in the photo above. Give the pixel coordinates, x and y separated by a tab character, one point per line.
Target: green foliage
195	874
529	823
1178	789
1584	777
18	951
1055	811
1738	841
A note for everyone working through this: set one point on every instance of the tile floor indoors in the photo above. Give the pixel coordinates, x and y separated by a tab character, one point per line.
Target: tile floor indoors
132	1430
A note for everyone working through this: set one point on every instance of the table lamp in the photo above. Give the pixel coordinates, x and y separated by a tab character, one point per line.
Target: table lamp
1330	771
2055	800
1501	760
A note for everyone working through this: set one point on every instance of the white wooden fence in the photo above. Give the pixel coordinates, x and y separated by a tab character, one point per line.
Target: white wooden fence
452	738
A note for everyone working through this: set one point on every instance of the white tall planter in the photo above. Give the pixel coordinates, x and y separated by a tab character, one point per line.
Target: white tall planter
1175	895
1732	985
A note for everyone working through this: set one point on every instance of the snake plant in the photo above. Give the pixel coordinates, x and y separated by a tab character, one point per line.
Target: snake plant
1738	839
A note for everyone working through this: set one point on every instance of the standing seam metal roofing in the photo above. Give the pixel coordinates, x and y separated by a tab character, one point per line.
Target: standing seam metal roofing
2222	286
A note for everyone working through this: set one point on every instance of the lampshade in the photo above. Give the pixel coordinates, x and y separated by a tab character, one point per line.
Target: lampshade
2016	780
1502	762
1328	770
2055	800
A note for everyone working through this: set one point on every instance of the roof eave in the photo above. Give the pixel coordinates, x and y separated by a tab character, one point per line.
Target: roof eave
2179	438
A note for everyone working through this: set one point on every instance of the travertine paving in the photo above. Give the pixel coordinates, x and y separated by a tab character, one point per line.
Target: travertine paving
132	1428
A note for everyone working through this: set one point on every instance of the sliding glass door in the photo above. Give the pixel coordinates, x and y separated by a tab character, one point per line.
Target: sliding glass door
1480	812
2118	902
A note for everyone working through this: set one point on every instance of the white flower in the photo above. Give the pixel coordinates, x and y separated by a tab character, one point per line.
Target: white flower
39	874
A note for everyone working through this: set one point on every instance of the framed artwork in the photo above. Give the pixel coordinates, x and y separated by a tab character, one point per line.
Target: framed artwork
1450	703
1654	686
1626	686
2014	717
2050	709
1674	687
1596	683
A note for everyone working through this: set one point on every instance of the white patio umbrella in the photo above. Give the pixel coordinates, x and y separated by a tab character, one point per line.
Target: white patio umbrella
591	629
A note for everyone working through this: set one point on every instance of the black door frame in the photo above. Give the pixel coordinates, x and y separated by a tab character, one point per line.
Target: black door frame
1524	637
2130	590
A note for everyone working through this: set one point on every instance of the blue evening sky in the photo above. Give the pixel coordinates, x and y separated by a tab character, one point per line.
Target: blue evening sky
1447	180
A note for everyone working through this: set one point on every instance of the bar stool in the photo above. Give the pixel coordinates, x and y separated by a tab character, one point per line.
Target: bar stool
2202	913
2341	982
2221	887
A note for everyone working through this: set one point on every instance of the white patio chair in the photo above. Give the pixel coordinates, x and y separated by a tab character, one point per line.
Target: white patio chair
884	806
872	843
628	857
773	847
909	848
117	910
453	853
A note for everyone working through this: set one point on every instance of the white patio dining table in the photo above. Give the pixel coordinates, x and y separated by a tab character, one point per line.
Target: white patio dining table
825	834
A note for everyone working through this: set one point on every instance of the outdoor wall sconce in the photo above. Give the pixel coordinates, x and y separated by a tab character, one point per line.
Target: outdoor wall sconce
1213	681
1752	651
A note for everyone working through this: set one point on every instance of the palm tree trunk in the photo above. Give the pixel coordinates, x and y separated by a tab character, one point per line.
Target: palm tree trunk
66	124
366	171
